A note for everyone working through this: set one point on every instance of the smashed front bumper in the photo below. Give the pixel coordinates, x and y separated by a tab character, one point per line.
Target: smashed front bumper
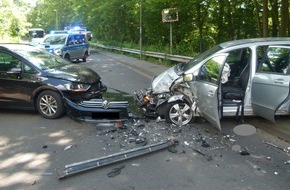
97	110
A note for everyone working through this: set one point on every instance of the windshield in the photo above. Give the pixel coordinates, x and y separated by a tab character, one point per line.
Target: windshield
55	39
36	33
186	66
41	58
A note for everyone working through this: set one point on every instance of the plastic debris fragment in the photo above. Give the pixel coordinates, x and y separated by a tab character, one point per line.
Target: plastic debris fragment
67	147
204	144
287	162
256	167
244	153
115	172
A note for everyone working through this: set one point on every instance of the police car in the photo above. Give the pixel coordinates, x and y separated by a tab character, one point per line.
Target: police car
70	46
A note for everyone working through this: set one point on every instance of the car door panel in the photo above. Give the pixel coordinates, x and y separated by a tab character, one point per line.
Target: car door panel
206	89
208	104
269	92
270	85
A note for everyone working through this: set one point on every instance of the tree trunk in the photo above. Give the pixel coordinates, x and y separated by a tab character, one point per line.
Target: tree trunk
284	18
257	7
275	17
220	22
265	18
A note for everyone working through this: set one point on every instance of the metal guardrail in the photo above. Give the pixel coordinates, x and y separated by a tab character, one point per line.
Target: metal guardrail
177	58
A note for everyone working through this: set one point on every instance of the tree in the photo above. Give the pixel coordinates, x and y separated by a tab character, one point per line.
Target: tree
13	19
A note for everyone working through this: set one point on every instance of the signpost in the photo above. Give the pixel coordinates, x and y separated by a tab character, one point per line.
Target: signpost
170	15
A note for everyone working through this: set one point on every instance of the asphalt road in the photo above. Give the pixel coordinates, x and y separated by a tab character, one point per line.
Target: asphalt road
33	149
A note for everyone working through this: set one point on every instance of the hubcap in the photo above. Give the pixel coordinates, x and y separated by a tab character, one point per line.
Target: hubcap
180	114
48	105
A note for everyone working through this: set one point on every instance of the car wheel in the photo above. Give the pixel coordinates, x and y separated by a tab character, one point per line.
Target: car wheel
85	57
67	57
178	112
50	104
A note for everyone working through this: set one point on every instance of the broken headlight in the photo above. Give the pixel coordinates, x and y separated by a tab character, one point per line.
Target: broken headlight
76	87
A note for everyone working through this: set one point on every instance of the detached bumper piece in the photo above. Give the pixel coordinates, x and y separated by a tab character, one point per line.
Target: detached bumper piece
97	110
86	165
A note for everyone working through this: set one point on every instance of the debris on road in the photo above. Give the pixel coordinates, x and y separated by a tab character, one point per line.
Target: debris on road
273	145
287	162
208	157
115	172
86	165
244	153
256	167
268	158
67	147
136	164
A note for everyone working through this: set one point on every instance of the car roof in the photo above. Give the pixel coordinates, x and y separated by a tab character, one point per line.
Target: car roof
12	46
255	41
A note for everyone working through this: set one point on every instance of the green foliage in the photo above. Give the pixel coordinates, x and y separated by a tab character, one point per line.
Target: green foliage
13	22
202	23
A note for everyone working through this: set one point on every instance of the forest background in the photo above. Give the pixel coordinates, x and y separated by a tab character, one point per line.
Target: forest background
201	23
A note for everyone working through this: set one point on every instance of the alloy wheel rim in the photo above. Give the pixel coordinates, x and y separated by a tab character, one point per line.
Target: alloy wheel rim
180	114
48	105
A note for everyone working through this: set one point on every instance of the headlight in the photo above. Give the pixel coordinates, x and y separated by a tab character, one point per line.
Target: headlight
77	87
57	51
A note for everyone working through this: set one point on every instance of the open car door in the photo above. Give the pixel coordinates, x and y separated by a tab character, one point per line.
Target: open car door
270	85
207	89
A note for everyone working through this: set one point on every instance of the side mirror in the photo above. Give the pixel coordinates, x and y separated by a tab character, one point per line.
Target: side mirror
188	77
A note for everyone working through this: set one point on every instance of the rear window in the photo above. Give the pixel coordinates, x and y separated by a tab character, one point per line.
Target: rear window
274	59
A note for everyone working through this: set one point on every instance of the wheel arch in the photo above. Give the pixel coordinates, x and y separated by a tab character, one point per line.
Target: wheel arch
40	90
161	108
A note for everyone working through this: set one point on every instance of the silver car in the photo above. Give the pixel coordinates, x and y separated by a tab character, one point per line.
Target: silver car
236	78
70	46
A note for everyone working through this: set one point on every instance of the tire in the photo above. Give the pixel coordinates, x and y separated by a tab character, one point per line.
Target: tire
67	57
178	112
85	57
50	105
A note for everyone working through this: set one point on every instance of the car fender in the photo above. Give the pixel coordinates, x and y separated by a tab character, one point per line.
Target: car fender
175	98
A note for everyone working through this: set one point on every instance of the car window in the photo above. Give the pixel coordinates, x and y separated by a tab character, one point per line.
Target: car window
8	62
9	66
186	66
80	39
55	39
70	40
274	59
209	72
29	70
237	60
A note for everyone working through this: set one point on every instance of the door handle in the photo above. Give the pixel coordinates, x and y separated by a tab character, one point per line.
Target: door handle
278	81
210	93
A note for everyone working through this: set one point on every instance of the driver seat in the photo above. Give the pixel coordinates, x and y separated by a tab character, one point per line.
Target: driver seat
236	94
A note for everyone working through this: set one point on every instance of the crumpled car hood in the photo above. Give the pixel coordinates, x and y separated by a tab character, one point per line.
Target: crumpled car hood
162	82
75	73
